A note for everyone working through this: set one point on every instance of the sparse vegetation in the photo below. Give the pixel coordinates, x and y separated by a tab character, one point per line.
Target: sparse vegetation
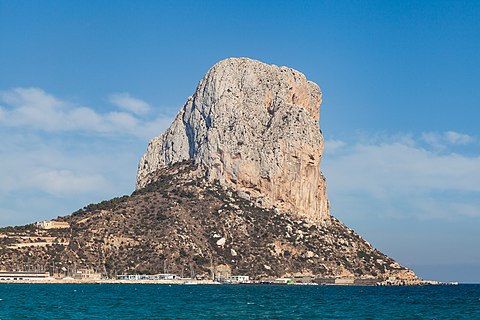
176	223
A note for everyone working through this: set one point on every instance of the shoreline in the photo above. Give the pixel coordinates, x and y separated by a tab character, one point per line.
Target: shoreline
111	281
206	282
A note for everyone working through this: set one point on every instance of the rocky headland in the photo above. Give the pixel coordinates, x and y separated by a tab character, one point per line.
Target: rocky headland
234	182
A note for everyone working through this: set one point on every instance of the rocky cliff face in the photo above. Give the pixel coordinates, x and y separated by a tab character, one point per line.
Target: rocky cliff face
254	128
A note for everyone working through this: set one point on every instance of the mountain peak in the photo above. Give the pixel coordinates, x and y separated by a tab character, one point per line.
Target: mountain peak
252	127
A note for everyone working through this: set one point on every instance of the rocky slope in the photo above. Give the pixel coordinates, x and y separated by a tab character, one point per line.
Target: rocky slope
182	223
252	127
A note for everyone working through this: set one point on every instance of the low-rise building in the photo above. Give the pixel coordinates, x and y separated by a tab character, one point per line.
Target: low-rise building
237	279
282	281
23	275
87	274
160	276
52	224
221	272
303	279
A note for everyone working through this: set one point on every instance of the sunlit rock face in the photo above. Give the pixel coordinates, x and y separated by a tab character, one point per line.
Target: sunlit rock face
252	127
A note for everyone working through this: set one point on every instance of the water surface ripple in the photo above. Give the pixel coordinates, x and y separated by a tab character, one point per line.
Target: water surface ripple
136	301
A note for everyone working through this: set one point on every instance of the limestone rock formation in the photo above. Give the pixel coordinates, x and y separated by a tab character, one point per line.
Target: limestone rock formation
234	183
252	127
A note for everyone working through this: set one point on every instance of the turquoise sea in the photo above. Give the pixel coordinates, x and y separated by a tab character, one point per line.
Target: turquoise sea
136	301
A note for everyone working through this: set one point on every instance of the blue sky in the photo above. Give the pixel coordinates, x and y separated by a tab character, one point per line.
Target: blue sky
85	84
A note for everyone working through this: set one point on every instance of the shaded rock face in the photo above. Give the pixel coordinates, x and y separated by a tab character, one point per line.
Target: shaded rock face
254	128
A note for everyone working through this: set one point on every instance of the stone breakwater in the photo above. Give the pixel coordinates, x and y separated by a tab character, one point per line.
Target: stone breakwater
252	127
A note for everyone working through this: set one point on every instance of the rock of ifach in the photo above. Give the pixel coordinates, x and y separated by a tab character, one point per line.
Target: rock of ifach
252	127
234	182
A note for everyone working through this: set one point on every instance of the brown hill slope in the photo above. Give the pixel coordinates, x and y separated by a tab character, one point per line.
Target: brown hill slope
182	222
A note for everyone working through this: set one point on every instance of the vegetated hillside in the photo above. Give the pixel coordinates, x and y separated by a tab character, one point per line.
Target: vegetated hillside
182	223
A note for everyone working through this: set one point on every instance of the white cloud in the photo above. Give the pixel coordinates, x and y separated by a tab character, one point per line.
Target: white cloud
433	139
32	163
61	156
66	182
123	120
129	103
42	176
34	108
151	128
458	138
31	106
441	141
402	178
333	146
29	97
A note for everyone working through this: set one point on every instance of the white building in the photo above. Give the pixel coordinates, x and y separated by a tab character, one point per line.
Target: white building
24	275
282	281
87	274
160	276
51	224
238	279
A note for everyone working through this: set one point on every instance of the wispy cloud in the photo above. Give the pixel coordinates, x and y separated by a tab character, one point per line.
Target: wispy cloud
61	155
36	109
405	178
45	175
66	182
125	101
458	138
48	165
334	146
441	141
